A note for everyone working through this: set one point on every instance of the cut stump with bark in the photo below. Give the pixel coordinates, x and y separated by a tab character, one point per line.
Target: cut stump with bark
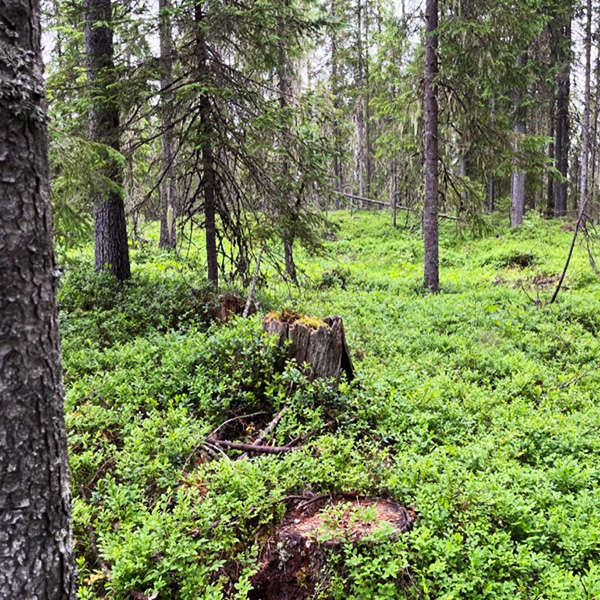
320	343
229	305
297	558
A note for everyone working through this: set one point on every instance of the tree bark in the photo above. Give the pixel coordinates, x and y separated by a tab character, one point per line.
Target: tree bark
550	188
208	162
517	208
360	108
168	187
338	183
561	145
36	559
585	138
430	210
110	229
491	194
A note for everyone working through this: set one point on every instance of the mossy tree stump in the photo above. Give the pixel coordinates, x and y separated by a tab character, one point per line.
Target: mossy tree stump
297	558
319	343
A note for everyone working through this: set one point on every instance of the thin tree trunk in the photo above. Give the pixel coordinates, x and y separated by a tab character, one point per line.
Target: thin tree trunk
491	193
110	229
585	138
367	106
561	146
285	92
209	184
360	109
594	140
550	188
430	210
394	191
36	551
517	208
168	188
338	184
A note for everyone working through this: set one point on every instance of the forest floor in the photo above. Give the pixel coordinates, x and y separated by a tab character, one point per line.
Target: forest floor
478	407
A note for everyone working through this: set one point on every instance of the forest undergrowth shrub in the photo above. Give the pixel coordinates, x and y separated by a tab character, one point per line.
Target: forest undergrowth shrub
477	407
102	311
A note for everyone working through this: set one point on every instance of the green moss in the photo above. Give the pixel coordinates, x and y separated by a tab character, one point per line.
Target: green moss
291	317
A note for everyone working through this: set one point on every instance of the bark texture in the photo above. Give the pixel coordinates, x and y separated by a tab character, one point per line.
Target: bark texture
338	183
209	180
585	128
36	559
430	210
168	187
561	144
110	229
324	348
517	182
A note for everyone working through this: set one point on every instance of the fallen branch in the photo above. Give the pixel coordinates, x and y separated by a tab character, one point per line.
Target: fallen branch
582	215
306	435
266	431
252	448
215	431
398	207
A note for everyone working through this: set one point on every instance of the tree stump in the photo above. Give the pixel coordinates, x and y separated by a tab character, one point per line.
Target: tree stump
295	559
320	343
229	305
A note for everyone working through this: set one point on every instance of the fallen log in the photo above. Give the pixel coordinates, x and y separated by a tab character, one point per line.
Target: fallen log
319	343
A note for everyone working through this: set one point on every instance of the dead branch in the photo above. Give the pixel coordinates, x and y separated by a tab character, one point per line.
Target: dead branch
266	431
252	448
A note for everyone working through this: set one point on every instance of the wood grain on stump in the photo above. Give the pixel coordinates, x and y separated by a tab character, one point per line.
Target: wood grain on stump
320	343
295	559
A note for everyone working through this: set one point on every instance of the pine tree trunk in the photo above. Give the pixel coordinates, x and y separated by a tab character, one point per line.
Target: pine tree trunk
585	138
561	145
550	187
394	191
367	108
517	208
208	162
360	108
430	210
491	193
168	187
110	229
338	183
36	559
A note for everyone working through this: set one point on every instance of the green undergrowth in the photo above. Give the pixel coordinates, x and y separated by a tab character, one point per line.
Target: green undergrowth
477	406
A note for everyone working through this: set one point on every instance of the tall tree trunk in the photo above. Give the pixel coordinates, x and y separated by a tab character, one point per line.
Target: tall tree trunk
517	191
110	229
367	107
285	93
360	108
168	187
594	140
561	145
338	184
585	138
209	181
550	187
394	191
491	194
430	209
36	558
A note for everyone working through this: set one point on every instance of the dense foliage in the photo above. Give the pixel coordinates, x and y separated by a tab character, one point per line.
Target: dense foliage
476	406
